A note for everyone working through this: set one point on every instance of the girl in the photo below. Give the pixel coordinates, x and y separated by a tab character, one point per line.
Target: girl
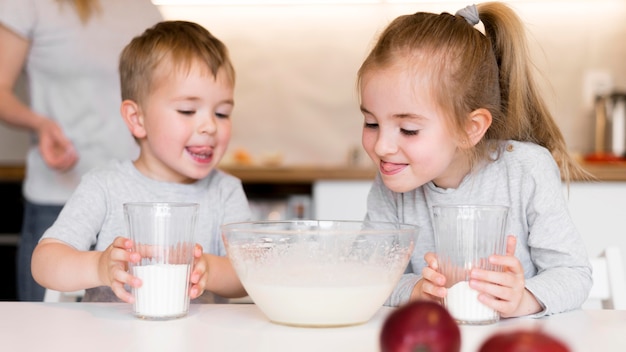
452	116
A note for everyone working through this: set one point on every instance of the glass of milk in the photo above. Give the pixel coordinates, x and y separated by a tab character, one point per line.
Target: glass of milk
163	233
465	237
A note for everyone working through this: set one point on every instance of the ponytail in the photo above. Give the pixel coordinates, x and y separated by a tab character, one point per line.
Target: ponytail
526	116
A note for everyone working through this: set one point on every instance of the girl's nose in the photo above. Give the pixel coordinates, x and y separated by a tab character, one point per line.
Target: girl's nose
385	144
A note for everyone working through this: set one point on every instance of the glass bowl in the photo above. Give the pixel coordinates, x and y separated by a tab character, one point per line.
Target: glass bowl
319	273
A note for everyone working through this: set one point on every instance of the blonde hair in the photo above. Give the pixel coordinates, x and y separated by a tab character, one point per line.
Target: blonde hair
469	70
84	8
169	44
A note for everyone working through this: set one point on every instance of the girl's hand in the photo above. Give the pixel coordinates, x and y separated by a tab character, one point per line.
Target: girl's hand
113	268
431	286
200	274
504	291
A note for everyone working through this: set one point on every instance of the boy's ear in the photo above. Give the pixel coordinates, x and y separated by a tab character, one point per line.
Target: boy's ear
478	122
133	117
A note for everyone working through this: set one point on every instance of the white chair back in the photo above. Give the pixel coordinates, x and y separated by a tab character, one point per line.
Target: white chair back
609	281
57	296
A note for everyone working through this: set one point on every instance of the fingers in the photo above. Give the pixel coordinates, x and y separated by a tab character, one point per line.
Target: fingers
432	284
431	260
502	291
199	275
197	251
198	287
511	242
57	151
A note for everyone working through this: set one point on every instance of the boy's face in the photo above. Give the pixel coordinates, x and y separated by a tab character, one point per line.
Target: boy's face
405	133
186	119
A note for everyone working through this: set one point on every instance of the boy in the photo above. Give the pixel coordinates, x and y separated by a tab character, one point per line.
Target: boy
177	89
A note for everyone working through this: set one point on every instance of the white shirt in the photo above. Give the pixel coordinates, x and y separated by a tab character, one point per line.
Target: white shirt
72	76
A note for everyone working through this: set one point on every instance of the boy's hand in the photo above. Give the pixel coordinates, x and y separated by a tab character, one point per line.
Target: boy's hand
431	286
199	275
113	268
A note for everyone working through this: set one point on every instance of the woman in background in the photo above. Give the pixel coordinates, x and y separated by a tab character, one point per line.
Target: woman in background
68	51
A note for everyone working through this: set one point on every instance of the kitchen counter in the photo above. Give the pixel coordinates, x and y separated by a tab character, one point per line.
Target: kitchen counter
30	326
308	174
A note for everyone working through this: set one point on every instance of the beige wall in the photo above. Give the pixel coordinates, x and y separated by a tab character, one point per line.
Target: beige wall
296	68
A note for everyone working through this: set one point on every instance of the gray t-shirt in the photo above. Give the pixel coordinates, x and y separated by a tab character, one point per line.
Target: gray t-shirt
94	215
72	78
525	178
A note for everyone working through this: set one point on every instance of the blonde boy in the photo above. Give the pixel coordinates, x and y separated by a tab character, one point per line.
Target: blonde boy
177	89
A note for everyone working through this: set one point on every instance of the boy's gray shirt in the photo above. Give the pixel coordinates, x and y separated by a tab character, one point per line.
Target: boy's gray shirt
93	217
525	178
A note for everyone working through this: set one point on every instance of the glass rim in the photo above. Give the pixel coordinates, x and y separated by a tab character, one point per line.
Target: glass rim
471	206
161	204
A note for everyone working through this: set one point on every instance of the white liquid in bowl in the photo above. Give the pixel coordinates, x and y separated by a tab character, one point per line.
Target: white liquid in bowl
164	292
319	306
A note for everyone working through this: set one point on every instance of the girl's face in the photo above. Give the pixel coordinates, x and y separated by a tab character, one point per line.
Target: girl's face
405	133
186	119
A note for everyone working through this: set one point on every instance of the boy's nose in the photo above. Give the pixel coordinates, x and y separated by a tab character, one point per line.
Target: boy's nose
207	125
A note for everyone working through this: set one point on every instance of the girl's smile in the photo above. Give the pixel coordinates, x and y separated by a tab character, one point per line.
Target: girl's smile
406	134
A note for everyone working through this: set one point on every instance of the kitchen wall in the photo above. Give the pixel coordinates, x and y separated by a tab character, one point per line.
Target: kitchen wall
297	65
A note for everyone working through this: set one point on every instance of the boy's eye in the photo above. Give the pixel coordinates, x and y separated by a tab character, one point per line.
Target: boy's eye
186	112
409	132
221	115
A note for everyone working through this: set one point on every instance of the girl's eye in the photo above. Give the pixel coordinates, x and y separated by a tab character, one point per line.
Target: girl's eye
409	132
370	125
221	115
186	112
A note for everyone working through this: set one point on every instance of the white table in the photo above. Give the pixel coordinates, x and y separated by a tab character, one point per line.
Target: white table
96	327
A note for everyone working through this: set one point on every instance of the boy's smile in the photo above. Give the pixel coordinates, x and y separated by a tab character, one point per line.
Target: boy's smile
186	125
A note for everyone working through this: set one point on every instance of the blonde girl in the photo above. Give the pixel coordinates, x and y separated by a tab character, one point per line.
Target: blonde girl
452	116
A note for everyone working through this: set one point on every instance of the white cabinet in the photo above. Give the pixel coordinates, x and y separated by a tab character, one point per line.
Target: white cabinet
340	200
599	212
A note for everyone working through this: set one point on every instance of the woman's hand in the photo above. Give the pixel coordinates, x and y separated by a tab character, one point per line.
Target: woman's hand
56	150
113	268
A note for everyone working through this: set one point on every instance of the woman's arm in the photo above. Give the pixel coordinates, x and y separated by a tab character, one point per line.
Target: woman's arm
56	150
12	58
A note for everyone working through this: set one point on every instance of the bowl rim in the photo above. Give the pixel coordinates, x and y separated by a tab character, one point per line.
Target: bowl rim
396	227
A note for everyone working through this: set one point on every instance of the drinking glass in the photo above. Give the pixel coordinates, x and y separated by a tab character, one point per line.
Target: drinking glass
465	237
163	233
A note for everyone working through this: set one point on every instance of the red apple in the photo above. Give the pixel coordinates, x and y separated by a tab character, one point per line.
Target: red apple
420	326
523	341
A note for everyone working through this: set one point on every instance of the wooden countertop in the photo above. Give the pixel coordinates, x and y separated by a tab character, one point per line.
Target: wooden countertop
613	171
254	174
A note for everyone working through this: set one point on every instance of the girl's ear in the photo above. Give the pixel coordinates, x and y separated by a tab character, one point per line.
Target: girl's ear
133	117
478	122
